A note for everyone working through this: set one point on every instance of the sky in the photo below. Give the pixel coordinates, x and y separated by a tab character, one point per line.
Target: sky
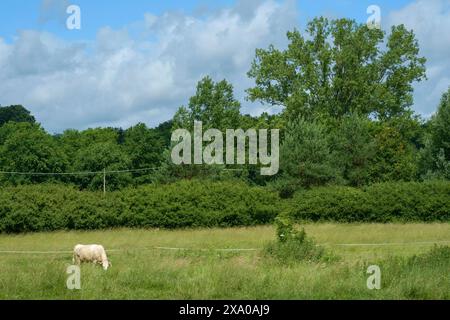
139	60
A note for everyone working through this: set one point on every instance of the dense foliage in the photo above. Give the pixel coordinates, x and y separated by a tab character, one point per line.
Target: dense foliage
384	202
339	67
347	132
15	113
293	244
198	203
183	204
346	95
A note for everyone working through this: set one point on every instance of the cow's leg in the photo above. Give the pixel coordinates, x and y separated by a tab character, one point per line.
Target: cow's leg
76	259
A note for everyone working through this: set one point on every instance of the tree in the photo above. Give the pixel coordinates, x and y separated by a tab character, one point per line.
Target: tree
305	154
213	104
72	141
98	157
26	147
440	126
164	130
394	155
16	113
435	156
339	68
145	147
353	148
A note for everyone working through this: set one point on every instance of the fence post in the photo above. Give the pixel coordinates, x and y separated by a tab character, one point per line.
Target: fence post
104	182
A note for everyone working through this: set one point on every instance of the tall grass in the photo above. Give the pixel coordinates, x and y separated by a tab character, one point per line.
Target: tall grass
407	272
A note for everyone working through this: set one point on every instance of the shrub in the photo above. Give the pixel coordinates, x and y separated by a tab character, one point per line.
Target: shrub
195	203
54	207
384	202
184	204
292	244
199	204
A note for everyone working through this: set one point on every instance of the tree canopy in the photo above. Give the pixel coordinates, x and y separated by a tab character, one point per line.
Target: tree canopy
339	67
346	92
213	103
15	113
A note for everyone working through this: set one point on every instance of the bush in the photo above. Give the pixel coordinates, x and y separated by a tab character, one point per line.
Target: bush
31	208
292	244
199	204
53	207
384	202
183	204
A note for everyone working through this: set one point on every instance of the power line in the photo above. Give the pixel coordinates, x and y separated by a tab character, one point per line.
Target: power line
90	172
76	173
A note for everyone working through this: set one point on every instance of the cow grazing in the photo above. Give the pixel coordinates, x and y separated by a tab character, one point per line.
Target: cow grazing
90	253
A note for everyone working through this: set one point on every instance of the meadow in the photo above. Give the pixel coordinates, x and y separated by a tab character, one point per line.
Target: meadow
414	260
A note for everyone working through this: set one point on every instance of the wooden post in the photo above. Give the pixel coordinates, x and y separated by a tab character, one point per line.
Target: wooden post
104	182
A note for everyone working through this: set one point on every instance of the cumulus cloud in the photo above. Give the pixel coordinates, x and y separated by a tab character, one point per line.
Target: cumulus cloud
144	71
430	20
120	79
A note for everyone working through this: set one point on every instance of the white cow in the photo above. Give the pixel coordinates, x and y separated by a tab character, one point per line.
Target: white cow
90	253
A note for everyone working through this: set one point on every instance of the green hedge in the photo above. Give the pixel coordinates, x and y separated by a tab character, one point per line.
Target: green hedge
384	202
182	204
214	204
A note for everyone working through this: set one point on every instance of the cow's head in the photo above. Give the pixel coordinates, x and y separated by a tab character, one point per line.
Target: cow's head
106	264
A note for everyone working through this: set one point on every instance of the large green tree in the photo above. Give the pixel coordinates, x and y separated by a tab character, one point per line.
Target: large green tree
16	113
98	157
216	107
339	67
440	126
73	141
164	130
305	154
145	148
27	148
394	155
353	148
435	156
213	103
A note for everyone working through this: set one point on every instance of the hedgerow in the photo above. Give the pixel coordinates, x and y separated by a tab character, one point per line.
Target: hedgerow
33	208
383	202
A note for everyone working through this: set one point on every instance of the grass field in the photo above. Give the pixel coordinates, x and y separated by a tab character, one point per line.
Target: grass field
142	271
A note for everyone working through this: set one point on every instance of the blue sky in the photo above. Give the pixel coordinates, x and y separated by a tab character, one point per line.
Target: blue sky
28	14
139	60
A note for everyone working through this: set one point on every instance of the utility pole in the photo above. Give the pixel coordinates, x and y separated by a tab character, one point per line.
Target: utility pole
104	182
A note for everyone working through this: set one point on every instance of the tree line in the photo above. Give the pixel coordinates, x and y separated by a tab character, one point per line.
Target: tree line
346	97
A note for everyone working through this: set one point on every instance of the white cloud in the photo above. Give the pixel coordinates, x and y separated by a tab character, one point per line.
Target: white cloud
430	20
120	79
145	71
